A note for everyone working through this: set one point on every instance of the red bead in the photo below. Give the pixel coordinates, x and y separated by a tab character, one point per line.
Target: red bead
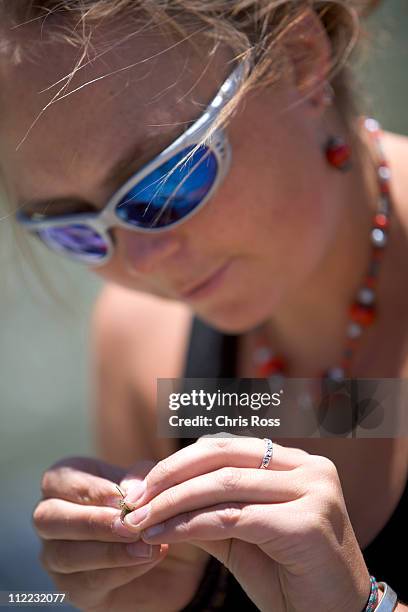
385	187
370	281
351	343
345	364
362	314
377	254
338	153
274	365
381	221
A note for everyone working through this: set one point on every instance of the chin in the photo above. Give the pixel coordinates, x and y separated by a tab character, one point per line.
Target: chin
235	319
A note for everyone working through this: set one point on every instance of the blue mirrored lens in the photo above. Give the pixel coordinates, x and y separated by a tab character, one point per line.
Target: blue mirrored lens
170	192
75	240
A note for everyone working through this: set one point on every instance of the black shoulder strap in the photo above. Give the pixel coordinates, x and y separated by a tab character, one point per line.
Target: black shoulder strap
210	354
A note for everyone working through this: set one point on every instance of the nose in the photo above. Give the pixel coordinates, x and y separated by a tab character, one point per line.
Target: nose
143	253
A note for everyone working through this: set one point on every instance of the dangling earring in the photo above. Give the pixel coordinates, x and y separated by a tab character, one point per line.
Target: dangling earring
328	94
337	151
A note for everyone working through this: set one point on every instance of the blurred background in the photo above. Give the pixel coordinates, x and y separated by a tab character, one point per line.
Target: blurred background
43	340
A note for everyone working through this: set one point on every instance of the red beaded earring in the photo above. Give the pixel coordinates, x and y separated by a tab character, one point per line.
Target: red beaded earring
338	153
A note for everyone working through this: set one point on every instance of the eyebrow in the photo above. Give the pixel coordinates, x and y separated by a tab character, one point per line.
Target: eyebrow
130	161
121	170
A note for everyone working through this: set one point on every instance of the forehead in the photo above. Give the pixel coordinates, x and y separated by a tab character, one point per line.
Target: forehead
138	87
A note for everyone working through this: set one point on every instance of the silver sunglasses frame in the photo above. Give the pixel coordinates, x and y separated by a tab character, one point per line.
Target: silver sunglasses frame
107	218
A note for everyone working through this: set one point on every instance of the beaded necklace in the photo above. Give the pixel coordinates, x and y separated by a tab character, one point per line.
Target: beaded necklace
362	311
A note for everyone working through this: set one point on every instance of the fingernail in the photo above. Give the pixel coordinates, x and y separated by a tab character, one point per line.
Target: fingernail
137	516
140	550
135	490
153	531
119	529
113	501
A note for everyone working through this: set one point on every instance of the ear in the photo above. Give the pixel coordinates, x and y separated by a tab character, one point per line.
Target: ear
308	50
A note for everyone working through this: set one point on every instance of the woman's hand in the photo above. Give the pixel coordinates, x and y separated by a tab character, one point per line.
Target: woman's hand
284	532
91	556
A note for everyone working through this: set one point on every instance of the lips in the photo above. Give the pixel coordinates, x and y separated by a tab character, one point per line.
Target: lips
202	284
193	288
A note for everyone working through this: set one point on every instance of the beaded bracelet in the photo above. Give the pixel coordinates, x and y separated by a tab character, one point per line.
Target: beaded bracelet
373	597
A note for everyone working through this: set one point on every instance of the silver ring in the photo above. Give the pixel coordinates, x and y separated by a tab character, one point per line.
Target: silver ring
268	454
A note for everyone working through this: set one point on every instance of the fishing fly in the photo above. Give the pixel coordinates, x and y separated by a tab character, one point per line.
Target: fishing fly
125	509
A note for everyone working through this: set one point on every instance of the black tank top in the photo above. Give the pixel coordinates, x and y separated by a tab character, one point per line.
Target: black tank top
212	354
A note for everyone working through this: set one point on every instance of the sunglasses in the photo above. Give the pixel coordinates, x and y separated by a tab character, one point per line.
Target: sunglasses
162	194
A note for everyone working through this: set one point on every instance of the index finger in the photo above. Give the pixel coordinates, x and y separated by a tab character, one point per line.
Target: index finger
209	454
58	519
83	480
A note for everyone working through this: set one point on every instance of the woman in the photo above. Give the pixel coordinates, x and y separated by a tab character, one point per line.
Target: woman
266	235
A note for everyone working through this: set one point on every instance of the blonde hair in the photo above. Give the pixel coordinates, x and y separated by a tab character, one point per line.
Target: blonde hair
250	28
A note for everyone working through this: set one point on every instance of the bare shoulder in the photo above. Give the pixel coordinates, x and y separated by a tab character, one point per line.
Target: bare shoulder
151	332
135	339
396	152
394	354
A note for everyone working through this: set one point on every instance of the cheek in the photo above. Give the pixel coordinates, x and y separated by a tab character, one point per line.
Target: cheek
266	209
281	227
274	191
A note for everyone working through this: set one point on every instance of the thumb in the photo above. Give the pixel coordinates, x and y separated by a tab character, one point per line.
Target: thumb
241	558
220	549
133	483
